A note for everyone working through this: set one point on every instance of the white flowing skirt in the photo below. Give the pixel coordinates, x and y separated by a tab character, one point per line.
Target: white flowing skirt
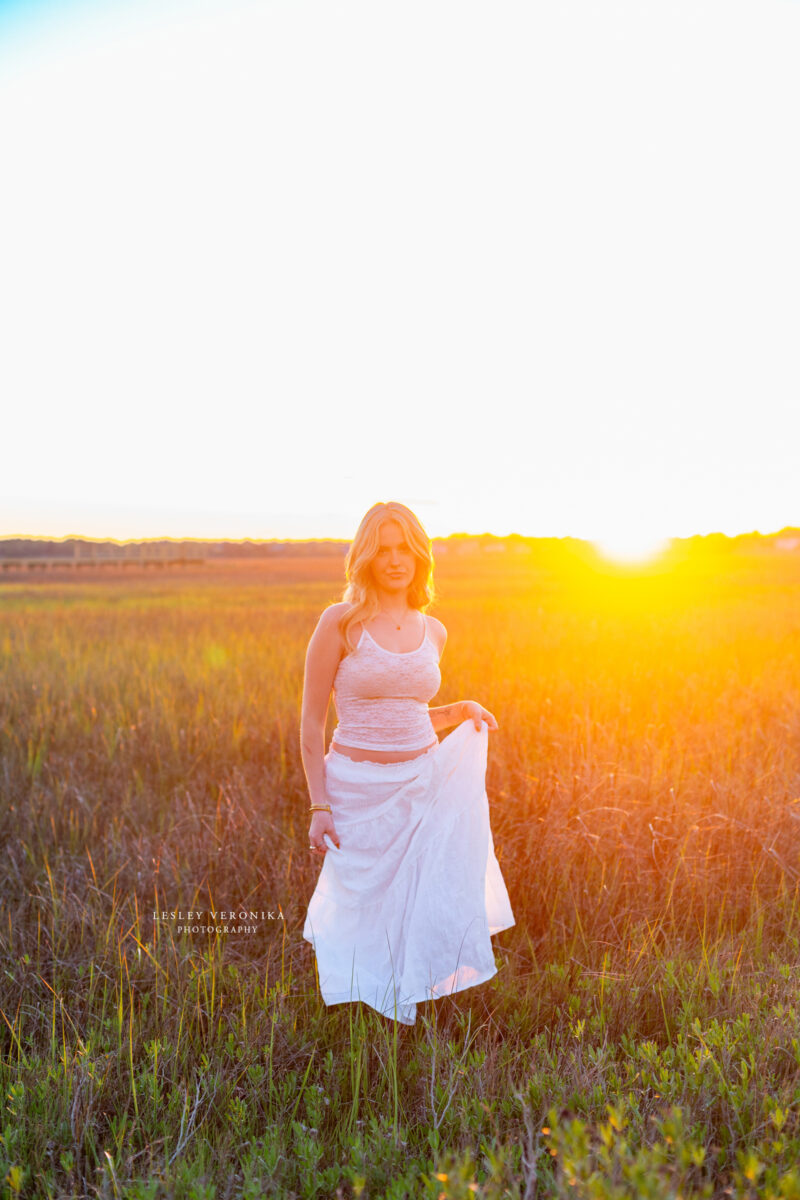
404	909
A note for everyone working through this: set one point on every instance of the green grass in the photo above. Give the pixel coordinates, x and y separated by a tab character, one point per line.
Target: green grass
641	1037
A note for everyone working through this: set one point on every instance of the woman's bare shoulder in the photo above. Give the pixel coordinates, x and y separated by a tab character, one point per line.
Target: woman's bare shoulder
335	612
330	617
437	632
329	622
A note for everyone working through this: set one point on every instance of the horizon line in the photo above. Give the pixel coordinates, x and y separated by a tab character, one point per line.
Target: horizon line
40	537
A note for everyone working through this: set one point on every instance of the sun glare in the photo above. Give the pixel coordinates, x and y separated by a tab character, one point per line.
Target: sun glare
631	547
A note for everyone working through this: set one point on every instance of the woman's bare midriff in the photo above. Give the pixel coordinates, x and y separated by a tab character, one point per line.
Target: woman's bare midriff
384	756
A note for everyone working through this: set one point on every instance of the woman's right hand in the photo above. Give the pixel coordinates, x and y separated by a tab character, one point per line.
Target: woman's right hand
321	822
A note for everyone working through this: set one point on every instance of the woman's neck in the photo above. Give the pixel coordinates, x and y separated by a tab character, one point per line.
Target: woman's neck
394	602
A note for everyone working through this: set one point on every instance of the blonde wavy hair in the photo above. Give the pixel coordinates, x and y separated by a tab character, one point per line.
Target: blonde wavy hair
360	590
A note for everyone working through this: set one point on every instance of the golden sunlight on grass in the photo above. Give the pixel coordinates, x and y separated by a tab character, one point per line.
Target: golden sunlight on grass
640	1036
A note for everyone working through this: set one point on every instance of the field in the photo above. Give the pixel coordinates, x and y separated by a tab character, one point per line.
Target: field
641	1037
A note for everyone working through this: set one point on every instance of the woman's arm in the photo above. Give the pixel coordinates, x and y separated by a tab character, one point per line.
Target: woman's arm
463	710
322	659
445	715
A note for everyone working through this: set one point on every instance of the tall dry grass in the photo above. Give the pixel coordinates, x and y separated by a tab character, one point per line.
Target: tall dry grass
644	786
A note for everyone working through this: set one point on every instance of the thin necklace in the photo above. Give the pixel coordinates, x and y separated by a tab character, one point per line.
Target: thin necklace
391	618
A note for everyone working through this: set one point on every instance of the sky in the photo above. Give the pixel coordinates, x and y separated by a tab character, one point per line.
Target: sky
526	267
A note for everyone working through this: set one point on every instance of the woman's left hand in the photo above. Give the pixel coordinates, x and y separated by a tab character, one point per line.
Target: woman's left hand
475	712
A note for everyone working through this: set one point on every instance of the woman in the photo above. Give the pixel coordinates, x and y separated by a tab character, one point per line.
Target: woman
410	888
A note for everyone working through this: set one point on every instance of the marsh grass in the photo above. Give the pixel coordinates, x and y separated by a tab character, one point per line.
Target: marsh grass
641	1036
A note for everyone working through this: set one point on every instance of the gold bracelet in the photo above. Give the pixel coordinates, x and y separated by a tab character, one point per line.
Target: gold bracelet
320	808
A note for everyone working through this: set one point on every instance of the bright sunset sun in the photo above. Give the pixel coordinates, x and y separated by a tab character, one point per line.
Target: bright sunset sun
630	546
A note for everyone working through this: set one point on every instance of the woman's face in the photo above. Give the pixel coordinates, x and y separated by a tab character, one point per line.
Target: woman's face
394	564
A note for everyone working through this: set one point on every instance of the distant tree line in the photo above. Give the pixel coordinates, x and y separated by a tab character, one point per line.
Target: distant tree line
787	539
70	548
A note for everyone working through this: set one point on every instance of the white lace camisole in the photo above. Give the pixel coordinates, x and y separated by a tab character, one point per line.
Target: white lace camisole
381	696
